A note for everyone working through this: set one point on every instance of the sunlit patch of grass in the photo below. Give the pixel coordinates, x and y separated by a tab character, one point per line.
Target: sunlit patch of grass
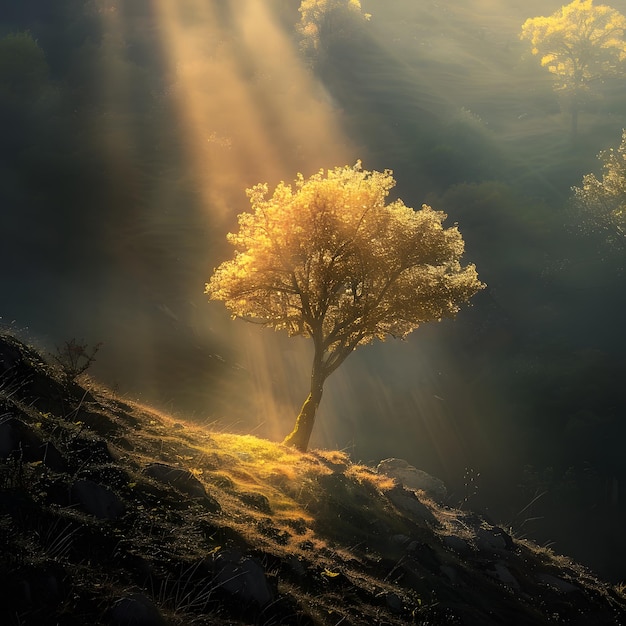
334	457
252	450
250	465
366	476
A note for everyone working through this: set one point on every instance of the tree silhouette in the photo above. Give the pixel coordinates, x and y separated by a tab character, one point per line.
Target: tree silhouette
579	44
330	260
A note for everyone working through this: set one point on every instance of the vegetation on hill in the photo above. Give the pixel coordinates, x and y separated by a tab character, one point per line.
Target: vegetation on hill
113	513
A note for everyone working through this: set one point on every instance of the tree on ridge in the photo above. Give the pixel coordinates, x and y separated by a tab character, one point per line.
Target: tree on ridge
602	202
329	259
579	44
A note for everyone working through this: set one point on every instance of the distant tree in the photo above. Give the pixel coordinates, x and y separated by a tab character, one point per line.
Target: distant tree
602	203
579	44
330	260
325	21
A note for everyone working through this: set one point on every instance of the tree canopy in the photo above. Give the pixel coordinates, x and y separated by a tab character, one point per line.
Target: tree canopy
602	202
322	21
329	259
580	43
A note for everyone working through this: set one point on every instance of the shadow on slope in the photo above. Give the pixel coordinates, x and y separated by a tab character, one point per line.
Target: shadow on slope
113	513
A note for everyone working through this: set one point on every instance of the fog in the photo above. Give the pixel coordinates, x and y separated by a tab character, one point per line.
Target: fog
131	131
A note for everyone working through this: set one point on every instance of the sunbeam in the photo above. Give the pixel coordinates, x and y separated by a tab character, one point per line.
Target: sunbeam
250	109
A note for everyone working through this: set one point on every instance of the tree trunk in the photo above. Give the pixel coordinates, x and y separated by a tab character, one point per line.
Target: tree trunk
575	108
301	433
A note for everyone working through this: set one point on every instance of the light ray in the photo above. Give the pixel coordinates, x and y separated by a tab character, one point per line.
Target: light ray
250	111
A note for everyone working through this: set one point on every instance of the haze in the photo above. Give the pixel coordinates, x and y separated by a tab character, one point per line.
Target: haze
126	163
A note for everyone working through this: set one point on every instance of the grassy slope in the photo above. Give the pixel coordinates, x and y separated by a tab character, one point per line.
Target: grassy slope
250	531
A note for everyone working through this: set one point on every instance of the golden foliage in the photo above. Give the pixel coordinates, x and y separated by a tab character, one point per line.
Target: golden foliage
603	202
321	20
578	43
329	259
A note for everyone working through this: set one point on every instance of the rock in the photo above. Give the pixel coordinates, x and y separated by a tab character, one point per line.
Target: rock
408	502
502	573
257	501
180	479
184	481
457	544
413	478
394	602
136	610
424	555
243	577
21	441
493	539
97	500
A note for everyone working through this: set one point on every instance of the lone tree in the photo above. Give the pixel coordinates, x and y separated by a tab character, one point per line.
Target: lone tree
330	260
579	44
602	203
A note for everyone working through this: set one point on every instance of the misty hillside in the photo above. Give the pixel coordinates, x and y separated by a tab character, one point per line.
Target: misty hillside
113	513
130	130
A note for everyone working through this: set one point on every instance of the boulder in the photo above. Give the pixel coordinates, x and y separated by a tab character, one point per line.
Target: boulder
184	481
413	478
97	500
493	539
408	503
135	610
244	578
180	479
394	602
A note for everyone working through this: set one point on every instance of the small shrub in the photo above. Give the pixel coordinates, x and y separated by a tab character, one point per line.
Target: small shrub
75	358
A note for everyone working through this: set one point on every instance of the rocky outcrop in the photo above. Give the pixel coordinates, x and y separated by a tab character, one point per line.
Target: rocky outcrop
413	478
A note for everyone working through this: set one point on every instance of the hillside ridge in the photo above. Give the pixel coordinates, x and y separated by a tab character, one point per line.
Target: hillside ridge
114	513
